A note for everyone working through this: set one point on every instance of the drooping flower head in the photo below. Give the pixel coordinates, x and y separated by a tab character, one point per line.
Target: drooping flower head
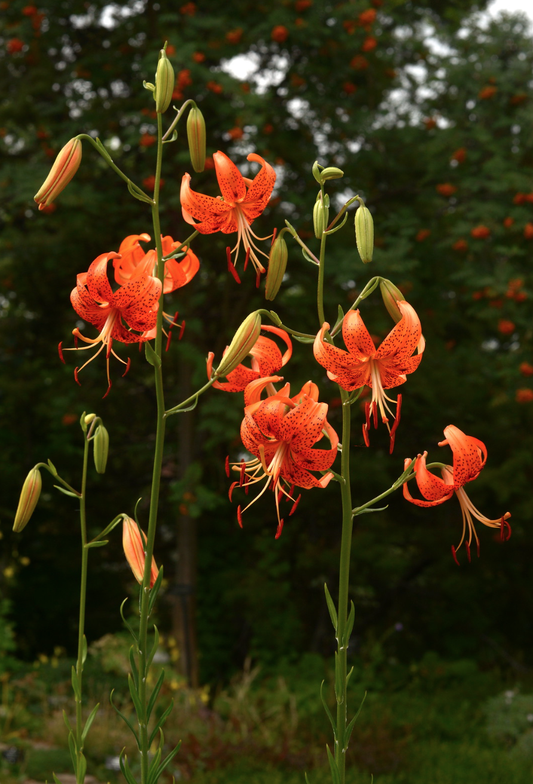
280	432
267	359
116	314
131	257
379	368
242	201
469	457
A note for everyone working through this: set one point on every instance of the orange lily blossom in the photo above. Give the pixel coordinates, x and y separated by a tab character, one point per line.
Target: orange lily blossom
242	201
383	368
267	359
115	314
132	256
280	432
469	456
134	546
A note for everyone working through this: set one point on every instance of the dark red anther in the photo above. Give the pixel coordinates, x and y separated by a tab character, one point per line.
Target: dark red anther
243	469
506	529
246	488
232	487
289	494
274	236
231	268
468	552
76	379
108	391
182	330
226	465
174	322
455	556
60	352
128	365
279	530
365	434
295	504
239	516
367	416
246	259
257	279
375	414
169	338
395	425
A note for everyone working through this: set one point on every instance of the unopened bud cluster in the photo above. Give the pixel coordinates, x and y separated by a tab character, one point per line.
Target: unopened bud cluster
321	214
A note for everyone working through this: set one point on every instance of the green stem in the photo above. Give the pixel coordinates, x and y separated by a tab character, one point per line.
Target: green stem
83	597
194	396
99	147
320	284
344	583
156	480
405	477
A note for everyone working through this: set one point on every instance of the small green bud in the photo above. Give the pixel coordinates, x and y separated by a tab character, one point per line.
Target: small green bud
89	418
391	296
364	233
196	138
331	173
320	215
277	264
164	83
241	345
101	449
149	86
29	495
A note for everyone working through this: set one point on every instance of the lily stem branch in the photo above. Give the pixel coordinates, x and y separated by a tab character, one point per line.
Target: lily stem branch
81	621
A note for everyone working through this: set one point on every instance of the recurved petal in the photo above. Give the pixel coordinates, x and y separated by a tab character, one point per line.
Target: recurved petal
303	425
198	205
331	357
237	380
315	459
432	487
469	454
87	308
356	336
403	337
285	337
179	273
252	393
230	180
97	281
261	188
297	474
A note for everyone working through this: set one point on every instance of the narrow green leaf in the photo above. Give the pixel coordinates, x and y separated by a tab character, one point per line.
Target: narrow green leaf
56	780
75	684
125	768
113	524
133	666
73	750
154	765
138	194
81	770
349	626
135	697
154	591
306	778
126	624
92	545
350	726
356	513
164	716
172	138
334	769
84	649
336	228
303	339
331	608
166	762
177	410
155	646
307	257
67	722
66	492
154	695
328	712
125	720
339	685
349	676
151	357
53	469
90	719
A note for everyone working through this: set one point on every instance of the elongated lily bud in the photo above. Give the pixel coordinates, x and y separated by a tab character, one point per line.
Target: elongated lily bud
89	418
364	233
65	167
196	138
331	173
320	215
391	296
29	495
101	449
134	551
241	345
277	264
164	83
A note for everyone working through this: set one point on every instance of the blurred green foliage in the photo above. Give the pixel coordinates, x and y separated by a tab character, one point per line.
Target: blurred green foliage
431	126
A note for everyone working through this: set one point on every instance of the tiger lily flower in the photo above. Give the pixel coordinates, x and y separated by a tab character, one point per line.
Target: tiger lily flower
242	201
131	257
280	432
267	359
469	457
383	368
134	546
133	306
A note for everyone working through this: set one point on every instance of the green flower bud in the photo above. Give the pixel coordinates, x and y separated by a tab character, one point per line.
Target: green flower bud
320	215
391	296
29	495
241	345
101	449
89	418
277	264
164	83
331	173
196	138
364	233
